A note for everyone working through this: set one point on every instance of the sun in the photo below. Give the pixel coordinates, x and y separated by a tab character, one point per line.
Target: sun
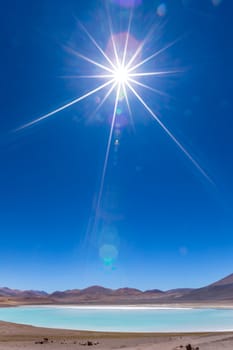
121	75
121	71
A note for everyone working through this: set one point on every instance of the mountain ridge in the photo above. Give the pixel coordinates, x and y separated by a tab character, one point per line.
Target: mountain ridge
219	291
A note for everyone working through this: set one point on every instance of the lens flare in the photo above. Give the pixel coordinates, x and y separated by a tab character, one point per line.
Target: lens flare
128	3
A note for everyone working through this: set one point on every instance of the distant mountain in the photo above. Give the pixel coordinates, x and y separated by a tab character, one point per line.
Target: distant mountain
95	293
220	291
7	292
126	291
59	294
154	291
224	281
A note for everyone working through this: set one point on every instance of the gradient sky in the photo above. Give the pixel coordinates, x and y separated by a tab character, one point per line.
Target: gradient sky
161	221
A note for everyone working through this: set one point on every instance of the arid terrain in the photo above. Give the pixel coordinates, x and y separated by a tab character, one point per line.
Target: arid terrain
218	293
19	337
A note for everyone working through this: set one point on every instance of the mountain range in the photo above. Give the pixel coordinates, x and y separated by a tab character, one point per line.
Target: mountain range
218	292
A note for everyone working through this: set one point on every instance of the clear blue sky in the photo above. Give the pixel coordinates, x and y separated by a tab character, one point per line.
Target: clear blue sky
163	224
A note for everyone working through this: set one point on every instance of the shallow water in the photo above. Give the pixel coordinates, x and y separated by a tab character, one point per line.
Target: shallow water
123	319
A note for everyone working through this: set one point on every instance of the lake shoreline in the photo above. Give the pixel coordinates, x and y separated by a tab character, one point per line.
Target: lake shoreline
191	305
15	336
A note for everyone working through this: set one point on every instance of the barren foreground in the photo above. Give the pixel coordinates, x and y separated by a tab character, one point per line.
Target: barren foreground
19	337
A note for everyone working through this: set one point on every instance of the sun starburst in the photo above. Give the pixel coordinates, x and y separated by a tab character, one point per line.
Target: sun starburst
120	72
121	75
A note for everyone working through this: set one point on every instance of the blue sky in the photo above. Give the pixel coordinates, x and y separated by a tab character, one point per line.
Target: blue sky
162	224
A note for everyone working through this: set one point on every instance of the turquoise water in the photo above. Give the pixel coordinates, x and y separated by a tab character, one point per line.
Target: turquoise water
121	319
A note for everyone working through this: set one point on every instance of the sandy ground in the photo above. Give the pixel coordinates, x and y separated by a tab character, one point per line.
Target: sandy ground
21	337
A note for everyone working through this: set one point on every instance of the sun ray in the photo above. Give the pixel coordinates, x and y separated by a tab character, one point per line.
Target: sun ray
141	46
96	76
96	44
115	50
112	38
127	37
87	59
150	74
65	106
194	162
126	98
128	105
139	49
106	156
149	58
148	87
94	220
104	99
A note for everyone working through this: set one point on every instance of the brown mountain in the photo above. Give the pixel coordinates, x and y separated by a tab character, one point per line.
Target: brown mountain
96	291
220	291
96	294
154	291
7	292
127	291
224	281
